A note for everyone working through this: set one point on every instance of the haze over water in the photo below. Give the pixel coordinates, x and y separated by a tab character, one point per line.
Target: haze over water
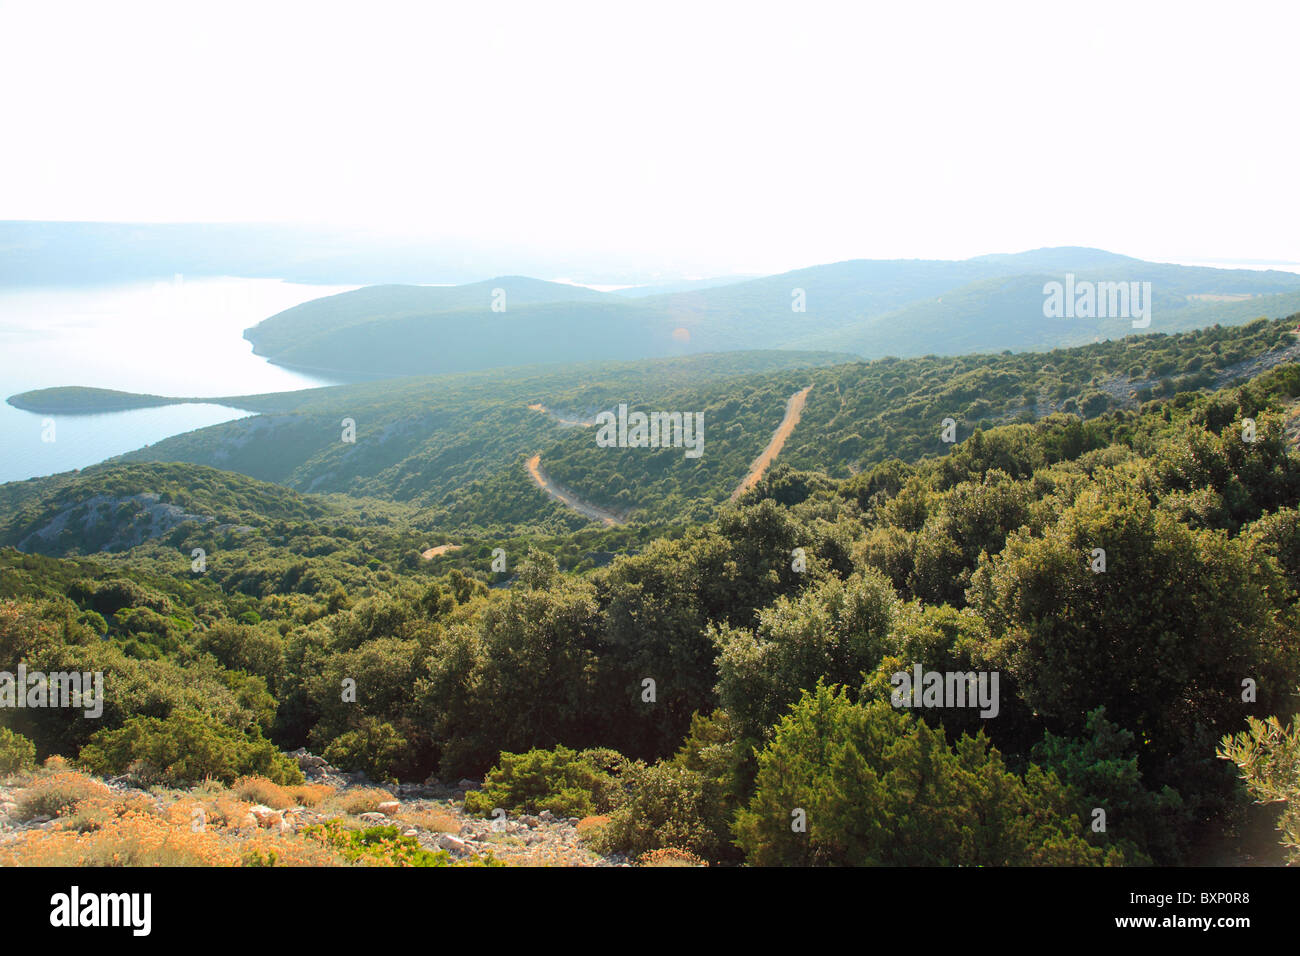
182	337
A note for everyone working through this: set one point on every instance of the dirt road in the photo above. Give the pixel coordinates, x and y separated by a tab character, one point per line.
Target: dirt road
563	421
440	549
569	500
793	410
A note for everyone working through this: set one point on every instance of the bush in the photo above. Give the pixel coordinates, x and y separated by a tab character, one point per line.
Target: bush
310	794
263	791
566	782
58	793
374	748
254	650
836	630
376	846
183	748
110	597
670	856
94	621
666	808
17	753
99	812
1267	753
878	787
589	827
364	800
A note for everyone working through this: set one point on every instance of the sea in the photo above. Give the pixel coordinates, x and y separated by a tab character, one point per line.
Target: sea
178	337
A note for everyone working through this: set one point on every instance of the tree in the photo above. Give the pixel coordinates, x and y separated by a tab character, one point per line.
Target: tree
1162	638
1268	757
835	632
520	676
877	787
1101	770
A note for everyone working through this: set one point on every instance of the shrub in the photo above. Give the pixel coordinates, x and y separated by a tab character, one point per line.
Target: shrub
56	794
670	856
135	839
374	748
567	782
255	650
221	812
376	846
110	597
17	753
263	791
93	620
364	800
879	787
836	630
272	849
97	812
590	827
666	807
310	794
1072	640
1267	754
183	748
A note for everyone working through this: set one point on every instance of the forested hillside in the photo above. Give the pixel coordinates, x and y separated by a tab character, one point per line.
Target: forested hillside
456	446
868	308
769	631
685	682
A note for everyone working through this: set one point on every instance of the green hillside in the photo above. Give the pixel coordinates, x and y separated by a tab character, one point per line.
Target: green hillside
980	560
469	339
377	304
866	307
1007	313
455	447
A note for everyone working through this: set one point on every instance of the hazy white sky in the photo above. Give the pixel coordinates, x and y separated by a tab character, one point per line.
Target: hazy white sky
732	137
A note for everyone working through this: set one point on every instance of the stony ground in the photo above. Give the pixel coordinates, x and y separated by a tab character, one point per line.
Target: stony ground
432	812
521	839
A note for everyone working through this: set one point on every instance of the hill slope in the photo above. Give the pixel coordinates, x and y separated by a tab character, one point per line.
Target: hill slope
870	308
457	446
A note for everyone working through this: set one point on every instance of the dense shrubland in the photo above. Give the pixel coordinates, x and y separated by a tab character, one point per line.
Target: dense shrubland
449	452
771	666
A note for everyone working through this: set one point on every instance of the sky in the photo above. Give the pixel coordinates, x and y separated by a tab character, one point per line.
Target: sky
715	137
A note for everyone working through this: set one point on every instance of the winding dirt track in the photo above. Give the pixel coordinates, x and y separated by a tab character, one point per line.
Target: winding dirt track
563	421
793	410
440	549
565	498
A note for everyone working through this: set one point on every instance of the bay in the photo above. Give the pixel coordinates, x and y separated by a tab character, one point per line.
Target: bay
179	337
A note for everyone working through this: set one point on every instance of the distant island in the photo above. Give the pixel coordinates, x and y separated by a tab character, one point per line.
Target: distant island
81	400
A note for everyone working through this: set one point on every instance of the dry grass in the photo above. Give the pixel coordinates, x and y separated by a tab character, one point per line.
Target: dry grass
311	794
222	812
96	813
589	827
362	800
56	764
56	793
263	791
434	820
669	856
210	825
133	839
